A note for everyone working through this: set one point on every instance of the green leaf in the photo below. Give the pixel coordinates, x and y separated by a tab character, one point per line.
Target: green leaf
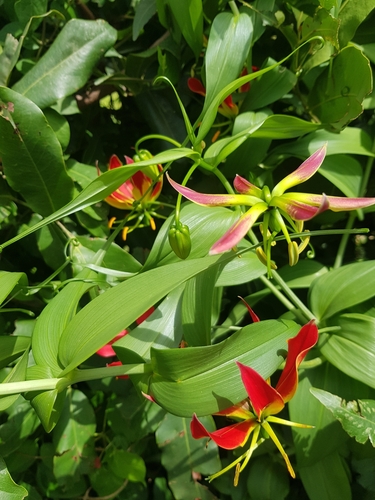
11	347
267	480
144	10
59	125
68	63
7	61
322	24
104	317
183	457
160	330
350	141
242	269
189	17
7	282
9	490
352	348
127	465
48	406
25	10
30	150
22	422
337	96
228	46
206	379
54	319
344	172
317	450
269	88
356	417
197	304
342	288
103	186
351	16
72	434
17	374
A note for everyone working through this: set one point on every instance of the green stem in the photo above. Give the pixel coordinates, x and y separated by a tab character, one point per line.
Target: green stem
234	8
156	136
29	385
292	296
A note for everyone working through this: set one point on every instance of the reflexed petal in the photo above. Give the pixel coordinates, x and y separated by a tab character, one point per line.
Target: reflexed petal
239	229
229	437
114	162
243	186
299	210
298	347
212	200
107	350
254	316
264	399
241	410
303	172
336	203
196	86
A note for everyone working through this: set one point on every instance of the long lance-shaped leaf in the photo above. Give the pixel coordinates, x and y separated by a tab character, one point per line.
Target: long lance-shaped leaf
105	316
102	187
209	116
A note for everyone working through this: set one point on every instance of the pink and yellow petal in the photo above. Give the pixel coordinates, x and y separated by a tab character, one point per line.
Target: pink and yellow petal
229	437
291	204
235	234
243	186
212	200
298	347
336	203
264	399
303	172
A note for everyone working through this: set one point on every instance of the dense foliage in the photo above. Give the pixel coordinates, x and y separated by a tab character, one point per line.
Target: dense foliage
121	299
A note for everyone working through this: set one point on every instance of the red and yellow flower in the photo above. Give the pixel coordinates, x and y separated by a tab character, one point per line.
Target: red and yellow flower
257	411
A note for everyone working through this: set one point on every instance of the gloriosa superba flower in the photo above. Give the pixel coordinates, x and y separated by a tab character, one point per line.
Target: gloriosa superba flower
255	413
276	206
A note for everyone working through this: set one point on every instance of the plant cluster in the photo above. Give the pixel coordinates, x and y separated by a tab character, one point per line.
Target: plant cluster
161	259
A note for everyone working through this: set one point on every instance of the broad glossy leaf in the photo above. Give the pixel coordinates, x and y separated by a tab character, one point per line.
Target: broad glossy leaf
182	456
48	406
105	316
30	150
144	11
342	288
59	125
7	58
54	319
206	379
351	16
269	88
9	490
228	46
189	17
69	62
352	348
161	330
304	274
344	172
350	141
206	225
284	127
337	96
21	423
322	24
101	187
242	269
356	417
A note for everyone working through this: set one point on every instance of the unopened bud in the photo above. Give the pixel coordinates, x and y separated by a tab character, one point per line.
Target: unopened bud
179	239
293	253
152	171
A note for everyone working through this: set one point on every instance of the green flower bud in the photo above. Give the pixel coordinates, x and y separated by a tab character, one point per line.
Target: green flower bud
179	239
152	171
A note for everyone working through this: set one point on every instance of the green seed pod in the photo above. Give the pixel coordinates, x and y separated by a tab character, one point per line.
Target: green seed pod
179	239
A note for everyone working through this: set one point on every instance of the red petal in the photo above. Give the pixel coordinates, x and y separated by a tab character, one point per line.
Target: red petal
114	162
264	399
229	437
254	317
107	351
145	315
196	86
298	347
